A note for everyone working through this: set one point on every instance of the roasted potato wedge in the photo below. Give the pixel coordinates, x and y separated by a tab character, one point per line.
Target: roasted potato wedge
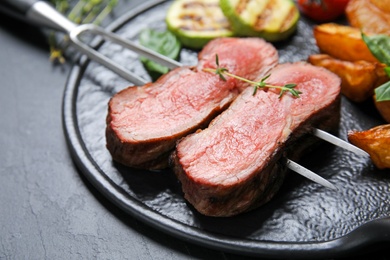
372	16
342	42
358	78
383	5
384	109
376	142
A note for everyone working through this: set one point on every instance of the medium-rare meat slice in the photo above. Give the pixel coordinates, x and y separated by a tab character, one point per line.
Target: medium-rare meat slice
236	164
144	123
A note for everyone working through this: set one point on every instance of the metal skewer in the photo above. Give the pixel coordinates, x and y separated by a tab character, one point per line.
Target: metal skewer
338	142
309	174
44	14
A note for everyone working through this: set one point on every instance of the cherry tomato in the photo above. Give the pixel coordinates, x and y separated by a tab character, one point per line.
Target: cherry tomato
322	10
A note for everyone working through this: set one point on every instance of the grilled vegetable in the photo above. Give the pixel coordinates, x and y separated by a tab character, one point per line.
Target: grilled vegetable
376	142
196	22
272	20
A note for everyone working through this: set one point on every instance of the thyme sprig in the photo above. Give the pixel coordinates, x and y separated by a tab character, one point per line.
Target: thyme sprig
262	84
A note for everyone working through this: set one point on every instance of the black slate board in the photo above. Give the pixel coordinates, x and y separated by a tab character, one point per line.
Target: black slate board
304	220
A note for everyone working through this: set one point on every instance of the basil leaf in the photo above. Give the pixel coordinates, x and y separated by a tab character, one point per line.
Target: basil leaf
163	42
387	71
382	93
379	46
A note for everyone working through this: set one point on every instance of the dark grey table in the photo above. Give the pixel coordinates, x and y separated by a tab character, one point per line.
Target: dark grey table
48	210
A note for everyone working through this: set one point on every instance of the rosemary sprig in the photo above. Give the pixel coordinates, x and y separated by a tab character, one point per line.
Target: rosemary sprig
262	84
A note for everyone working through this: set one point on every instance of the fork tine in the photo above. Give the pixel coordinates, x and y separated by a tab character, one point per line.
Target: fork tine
100	58
140	50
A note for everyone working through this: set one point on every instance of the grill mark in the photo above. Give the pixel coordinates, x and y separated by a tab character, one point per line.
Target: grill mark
198	22
191	17
199	4
287	22
202	29
241	6
263	18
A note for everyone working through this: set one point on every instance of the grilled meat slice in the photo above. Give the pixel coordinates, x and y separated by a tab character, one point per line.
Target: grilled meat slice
144	123
236	164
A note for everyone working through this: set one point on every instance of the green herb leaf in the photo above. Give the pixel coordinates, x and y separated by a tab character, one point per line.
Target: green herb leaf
387	71
265	78
290	86
219	70
382	93
163	42
379	46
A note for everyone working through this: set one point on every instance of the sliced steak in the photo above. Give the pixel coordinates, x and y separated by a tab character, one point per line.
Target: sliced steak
144	123
236	164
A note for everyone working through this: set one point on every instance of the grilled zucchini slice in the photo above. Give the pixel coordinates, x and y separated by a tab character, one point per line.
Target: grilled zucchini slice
273	20
196	22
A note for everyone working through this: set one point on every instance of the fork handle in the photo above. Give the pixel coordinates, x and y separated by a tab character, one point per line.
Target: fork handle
17	8
38	12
